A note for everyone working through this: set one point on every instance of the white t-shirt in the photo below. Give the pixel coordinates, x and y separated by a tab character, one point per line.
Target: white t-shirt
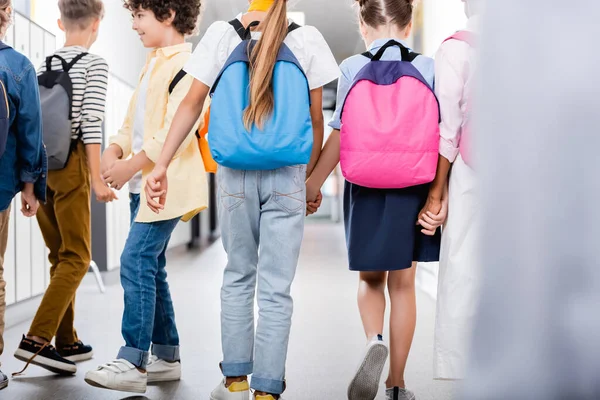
307	44
137	142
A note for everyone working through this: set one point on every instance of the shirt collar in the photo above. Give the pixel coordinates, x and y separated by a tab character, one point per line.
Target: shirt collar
379	43
170	51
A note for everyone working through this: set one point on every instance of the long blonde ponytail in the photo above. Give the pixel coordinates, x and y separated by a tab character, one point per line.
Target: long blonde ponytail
262	64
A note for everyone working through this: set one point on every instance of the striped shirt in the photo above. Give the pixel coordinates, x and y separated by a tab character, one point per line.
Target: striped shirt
90	81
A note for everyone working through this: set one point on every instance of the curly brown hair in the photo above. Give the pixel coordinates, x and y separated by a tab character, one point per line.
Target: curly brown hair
186	12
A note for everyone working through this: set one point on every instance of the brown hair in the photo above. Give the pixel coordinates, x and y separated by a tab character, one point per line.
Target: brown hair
80	13
262	63
376	13
4	16
186	12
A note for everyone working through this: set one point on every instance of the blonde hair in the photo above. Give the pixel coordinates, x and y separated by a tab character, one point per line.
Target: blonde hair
79	14
5	17
262	63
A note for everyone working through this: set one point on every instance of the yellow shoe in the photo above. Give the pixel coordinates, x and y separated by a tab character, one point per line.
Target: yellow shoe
267	397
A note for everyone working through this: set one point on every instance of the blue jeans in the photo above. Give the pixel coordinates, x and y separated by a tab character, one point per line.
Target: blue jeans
262	223
148	317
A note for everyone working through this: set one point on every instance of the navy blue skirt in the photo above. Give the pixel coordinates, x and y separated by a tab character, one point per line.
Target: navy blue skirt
381	230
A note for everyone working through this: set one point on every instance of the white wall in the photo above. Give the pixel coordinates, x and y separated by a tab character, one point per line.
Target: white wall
117	42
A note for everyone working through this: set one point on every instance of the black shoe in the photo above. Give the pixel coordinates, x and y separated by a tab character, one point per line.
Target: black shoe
3	381
44	356
77	352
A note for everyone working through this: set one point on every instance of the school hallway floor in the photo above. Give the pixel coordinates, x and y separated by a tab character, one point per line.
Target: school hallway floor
325	345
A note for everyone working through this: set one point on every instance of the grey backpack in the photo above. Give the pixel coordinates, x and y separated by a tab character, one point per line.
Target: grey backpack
56	96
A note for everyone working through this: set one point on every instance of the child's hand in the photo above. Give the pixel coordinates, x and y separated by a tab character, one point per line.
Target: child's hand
313	197
104	194
29	203
313	206
433	215
120	173
156	188
109	158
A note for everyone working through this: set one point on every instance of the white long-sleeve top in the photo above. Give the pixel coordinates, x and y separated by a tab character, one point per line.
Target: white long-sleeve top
454	64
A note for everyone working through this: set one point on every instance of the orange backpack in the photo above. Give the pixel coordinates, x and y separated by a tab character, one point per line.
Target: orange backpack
209	163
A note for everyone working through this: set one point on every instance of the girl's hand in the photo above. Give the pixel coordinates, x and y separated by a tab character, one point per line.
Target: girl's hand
156	189
313	206
433	215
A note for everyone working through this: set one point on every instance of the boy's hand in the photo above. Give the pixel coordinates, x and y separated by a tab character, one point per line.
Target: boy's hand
156	188
109	158
104	194
119	174
29	203
433	215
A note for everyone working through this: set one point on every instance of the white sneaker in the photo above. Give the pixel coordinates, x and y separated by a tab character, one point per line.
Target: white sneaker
365	384
118	375
236	391
163	371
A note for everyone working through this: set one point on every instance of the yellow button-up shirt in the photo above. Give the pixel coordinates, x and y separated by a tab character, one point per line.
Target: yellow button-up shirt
188	188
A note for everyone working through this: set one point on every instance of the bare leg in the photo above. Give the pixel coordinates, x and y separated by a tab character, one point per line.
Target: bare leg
371	302
401	285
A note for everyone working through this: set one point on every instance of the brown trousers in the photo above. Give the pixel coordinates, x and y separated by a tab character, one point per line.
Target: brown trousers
4	217
65	222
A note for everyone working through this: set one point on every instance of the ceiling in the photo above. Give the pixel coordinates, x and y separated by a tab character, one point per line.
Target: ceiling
334	18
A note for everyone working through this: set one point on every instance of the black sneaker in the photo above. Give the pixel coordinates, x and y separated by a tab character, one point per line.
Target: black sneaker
3	381
44	356
77	352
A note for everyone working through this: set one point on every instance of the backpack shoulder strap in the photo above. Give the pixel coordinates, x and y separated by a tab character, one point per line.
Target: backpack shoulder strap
65	66
75	61
464	36
239	28
180	75
407	55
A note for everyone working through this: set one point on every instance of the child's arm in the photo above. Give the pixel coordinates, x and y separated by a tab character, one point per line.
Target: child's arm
122	171
329	159
92	110
449	87
185	119
318	123
29	141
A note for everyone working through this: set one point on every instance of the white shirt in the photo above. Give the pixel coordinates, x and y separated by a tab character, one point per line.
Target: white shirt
137	143
454	66
307	44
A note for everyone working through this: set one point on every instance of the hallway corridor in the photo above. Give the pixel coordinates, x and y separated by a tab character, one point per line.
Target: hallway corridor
325	346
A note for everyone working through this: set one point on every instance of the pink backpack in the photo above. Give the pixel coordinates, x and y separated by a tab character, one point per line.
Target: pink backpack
465	129
390	125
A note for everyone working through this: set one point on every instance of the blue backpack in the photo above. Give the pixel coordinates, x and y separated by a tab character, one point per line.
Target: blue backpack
4	111
287	136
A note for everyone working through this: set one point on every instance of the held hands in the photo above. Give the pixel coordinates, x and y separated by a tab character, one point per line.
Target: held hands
156	189
119	174
314	198
29	203
433	215
104	194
